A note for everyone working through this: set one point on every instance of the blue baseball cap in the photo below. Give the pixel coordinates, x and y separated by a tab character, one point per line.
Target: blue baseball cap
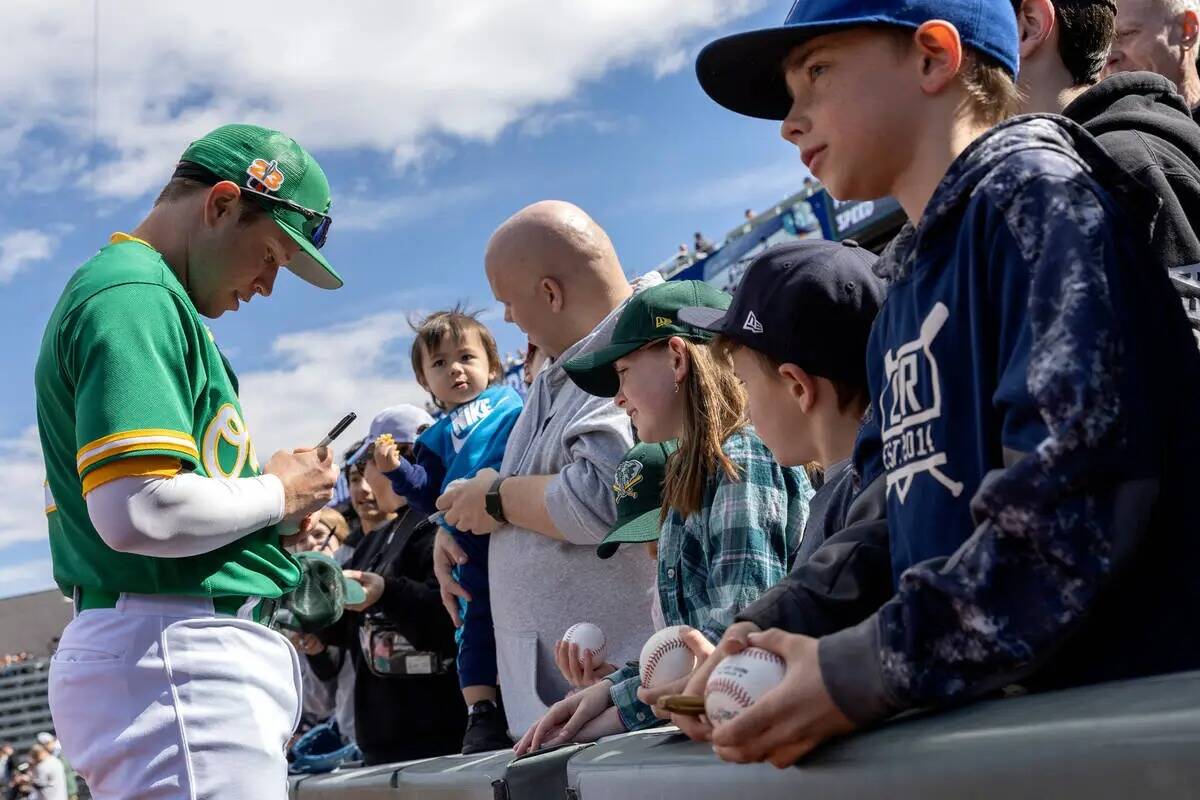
744	72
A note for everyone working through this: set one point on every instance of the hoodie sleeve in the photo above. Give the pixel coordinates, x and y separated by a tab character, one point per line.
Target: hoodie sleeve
1067	508
580	498
844	581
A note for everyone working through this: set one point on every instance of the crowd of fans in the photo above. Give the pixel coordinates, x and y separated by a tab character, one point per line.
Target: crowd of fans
13	659
791	514
42	774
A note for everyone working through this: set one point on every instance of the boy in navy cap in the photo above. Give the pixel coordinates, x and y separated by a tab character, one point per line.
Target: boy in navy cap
796	332
1036	495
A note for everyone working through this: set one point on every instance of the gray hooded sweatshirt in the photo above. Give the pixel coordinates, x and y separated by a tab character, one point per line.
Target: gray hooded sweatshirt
541	586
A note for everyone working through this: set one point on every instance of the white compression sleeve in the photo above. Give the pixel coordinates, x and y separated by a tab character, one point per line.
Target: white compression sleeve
182	516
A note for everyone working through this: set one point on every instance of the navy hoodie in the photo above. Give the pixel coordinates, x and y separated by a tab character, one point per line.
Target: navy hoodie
1031	383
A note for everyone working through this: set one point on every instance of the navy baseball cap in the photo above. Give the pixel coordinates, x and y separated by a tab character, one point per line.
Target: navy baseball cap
809	303
744	72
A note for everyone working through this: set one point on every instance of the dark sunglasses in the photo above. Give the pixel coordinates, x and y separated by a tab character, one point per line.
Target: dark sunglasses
316	224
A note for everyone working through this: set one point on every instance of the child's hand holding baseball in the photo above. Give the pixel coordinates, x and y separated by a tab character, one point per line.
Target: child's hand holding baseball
387	454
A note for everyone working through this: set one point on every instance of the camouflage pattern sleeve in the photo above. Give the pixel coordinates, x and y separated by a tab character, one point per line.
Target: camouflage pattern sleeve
1058	515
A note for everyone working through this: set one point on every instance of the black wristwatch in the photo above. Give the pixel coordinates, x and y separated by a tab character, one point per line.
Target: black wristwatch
492	503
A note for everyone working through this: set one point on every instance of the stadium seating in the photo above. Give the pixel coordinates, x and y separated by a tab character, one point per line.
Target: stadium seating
24	706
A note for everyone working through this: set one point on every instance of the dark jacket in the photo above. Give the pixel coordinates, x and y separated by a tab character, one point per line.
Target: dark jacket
846	576
1026	370
401	718
1148	130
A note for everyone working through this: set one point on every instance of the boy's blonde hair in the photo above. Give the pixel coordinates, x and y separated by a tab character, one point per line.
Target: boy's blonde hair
715	409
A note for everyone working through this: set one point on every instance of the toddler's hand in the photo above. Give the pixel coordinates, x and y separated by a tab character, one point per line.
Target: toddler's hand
387	454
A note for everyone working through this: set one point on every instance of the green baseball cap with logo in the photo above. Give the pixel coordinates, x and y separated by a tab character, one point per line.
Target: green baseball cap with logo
650	316
277	171
321	597
637	487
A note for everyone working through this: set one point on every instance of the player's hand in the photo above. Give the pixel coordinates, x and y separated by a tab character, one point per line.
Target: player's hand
372	584
446	556
577	667
463	504
789	720
735	640
308	478
701	648
565	718
387	454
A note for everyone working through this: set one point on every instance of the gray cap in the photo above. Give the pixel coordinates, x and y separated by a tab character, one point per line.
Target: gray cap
404	422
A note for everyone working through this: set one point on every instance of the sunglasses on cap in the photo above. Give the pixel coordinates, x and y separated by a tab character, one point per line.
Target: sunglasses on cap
316	223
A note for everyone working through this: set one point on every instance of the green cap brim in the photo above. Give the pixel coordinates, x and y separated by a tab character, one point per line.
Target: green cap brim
643	528
594	372
309	264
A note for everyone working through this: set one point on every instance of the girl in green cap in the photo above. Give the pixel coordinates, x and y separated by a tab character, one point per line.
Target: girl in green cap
731	516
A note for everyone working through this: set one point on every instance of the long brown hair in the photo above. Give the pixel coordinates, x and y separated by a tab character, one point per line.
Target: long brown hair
715	408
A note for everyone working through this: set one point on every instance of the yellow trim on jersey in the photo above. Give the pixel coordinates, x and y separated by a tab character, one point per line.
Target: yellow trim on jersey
132	441
140	467
119	237
51	506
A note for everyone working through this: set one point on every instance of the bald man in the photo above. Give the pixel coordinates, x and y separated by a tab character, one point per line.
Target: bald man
558	276
1159	36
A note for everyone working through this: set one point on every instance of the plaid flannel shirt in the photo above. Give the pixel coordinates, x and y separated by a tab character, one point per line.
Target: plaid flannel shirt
721	558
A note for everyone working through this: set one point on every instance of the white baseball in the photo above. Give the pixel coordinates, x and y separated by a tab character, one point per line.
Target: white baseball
738	682
590	639
665	658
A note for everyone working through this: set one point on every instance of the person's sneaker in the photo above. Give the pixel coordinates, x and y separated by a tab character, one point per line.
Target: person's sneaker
487	729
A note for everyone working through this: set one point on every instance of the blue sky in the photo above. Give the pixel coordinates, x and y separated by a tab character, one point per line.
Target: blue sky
627	135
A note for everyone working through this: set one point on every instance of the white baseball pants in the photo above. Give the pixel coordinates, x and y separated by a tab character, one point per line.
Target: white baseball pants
161	699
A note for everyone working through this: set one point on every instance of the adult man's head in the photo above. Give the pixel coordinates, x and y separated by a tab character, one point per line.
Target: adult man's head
243	202
1064	47
556	272
1159	36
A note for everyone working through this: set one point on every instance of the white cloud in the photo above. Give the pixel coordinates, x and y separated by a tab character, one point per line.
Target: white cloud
22	509
395	77
33	575
19	249
358	366
362	212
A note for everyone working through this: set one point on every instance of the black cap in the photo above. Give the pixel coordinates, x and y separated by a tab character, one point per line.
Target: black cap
809	303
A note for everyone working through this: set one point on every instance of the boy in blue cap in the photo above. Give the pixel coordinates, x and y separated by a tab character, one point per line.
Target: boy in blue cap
1037	504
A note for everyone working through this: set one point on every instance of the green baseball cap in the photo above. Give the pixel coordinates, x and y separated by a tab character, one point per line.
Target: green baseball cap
637	486
321	597
650	316
273	167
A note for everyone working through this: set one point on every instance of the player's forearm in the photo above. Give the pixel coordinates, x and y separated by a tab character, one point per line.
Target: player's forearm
524	502
182	516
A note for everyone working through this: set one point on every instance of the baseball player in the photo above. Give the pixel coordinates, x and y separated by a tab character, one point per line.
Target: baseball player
169	682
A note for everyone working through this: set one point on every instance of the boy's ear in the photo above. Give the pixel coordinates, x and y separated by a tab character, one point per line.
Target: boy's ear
1035	21
801	387
941	52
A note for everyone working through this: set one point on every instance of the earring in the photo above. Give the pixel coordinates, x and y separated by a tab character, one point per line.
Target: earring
676	388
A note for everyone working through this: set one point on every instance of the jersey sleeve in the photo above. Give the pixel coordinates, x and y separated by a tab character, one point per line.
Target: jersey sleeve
130	352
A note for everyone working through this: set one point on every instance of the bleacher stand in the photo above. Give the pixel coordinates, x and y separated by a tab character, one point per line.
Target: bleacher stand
24	704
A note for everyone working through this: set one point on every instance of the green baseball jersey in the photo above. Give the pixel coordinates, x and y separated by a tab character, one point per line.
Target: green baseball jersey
130	382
